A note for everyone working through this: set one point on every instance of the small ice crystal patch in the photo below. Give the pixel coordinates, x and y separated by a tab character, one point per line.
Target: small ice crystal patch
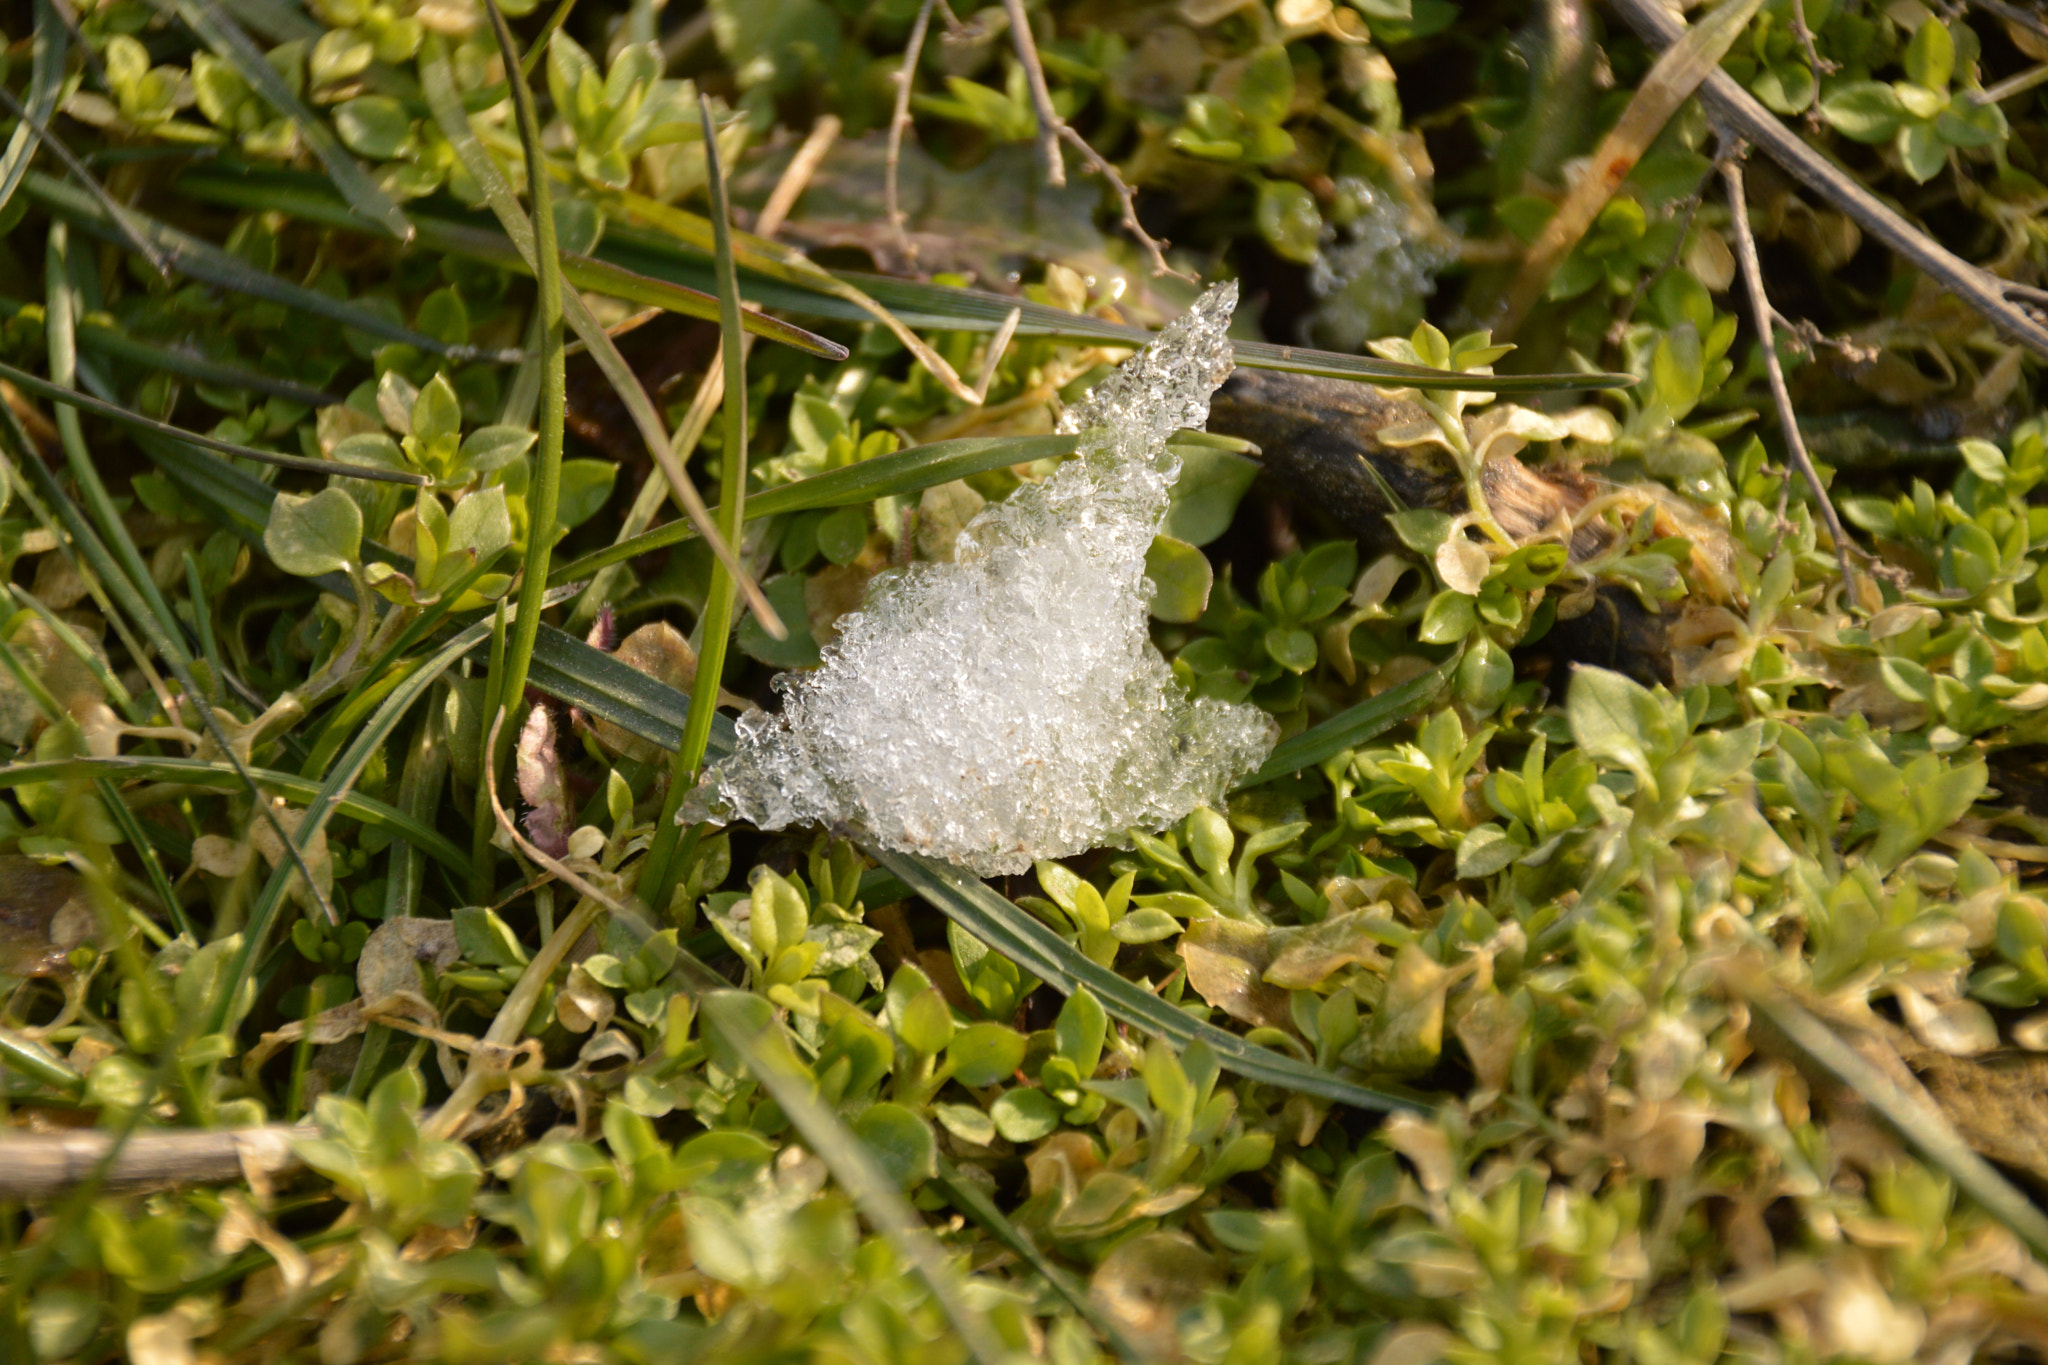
1010	705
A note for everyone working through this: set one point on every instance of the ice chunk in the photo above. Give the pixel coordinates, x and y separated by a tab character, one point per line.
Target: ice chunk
1373	274
1010	705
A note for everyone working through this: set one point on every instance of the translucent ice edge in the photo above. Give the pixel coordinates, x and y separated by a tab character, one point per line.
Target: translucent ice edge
1010	705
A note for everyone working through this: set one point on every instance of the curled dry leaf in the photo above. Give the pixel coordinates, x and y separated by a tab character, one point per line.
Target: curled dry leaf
539	768
1227	963
44	914
1147	1283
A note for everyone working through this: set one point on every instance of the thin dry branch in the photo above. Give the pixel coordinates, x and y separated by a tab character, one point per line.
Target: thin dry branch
41	1166
899	119
1054	130
1822	66
1760	314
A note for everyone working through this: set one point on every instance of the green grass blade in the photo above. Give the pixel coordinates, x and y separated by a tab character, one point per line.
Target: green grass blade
50	43
772	1060
1019	936
313	200
117	214
714	622
601	686
544	495
438	80
114	412
972	1201
202	260
220	32
199	772
950	308
906	471
1923	1126
1350	728
98	335
328	797
162	632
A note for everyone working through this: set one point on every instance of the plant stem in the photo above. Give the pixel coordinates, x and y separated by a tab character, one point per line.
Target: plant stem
543	503
715	625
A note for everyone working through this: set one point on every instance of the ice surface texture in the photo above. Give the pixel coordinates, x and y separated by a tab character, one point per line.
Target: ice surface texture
1010	705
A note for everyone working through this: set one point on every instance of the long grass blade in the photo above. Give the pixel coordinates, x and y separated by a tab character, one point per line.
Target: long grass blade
906	471
308	198
114	412
102	337
220	32
1017	935
544	496
439	84
161	631
951	308
1352	727
1913	1117
45	84
773	1062
199	772
766	257
141	244
971	1200
650	255
202	260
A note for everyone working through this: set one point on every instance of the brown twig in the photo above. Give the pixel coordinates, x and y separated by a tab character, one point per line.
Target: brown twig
39	1166
1054	130
1822	66
899	119
1760	317
1049	121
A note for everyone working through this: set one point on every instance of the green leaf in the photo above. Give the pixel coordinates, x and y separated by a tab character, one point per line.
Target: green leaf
586	488
1265	85
310	536
799	649
1181	580
1863	111
481	523
1025	1115
1289	221
1922	151
1447	619
843	534
1617	719
375	126
900	1142
491	448
1080	1030
985	1053
1212	482
1931	57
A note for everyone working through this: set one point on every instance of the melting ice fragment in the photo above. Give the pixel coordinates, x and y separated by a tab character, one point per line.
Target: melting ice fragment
1010	705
